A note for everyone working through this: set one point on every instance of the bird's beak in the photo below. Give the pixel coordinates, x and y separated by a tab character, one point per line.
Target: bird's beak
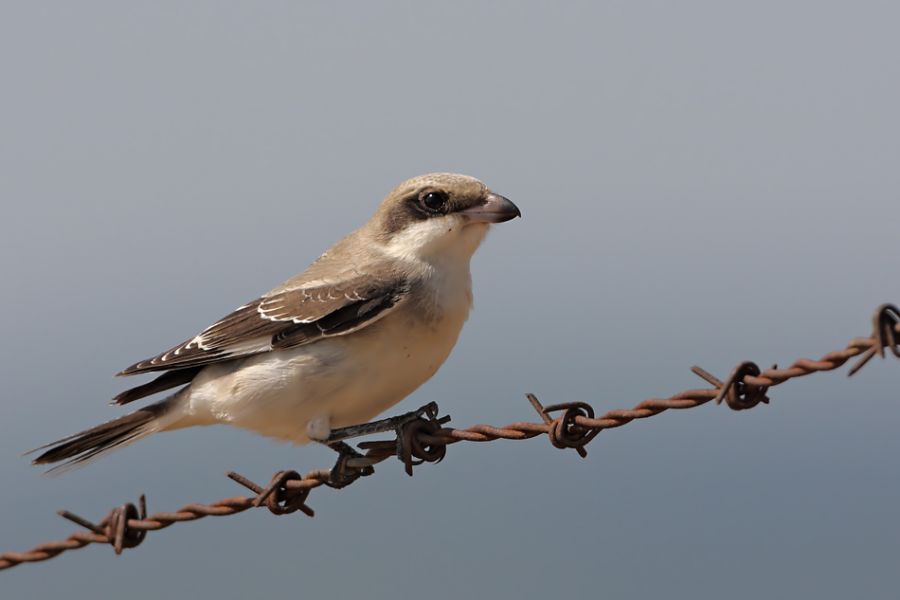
496	209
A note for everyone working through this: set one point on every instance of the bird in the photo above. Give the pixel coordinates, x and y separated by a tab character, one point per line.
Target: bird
366	324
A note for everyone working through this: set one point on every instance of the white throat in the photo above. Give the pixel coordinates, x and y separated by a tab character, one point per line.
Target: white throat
437	242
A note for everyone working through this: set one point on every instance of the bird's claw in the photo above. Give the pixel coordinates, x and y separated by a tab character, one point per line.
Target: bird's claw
350	466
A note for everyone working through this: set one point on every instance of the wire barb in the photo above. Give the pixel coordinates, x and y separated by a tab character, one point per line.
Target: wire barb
885	334
115	525
564	431
738	393
425	439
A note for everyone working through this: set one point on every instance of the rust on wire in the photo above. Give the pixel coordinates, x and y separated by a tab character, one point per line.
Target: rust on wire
425	439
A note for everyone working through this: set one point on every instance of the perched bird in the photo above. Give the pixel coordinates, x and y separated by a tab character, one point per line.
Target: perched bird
367	323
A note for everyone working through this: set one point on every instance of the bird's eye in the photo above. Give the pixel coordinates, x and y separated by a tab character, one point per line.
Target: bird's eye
434	201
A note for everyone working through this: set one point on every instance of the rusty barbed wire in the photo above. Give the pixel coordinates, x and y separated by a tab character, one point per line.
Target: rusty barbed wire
425	439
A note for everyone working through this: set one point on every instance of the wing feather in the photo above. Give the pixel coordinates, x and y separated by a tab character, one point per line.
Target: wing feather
283	319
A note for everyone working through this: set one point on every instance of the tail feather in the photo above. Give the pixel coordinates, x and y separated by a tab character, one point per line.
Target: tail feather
86	445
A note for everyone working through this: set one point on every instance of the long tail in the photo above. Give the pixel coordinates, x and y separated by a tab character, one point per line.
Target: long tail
89	444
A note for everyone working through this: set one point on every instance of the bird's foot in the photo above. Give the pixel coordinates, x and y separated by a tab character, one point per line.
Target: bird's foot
350	465
430	411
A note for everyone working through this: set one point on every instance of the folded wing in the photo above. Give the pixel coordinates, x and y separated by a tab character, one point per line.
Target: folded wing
284	319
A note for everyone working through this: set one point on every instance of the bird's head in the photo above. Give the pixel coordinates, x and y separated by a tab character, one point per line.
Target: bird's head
439	215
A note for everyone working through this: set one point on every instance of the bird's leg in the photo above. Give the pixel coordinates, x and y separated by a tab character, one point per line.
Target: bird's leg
430	410
350	465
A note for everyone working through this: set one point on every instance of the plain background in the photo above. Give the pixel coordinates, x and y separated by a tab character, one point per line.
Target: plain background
701	182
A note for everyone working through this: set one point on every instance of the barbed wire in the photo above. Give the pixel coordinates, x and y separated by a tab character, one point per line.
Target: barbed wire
425	439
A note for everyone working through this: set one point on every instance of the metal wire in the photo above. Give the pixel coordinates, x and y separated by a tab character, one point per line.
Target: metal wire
426	439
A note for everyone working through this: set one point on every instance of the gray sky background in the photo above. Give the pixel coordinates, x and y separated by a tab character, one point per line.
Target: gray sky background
701	183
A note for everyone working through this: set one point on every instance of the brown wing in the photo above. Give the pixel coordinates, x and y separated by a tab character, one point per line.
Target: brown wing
283	319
